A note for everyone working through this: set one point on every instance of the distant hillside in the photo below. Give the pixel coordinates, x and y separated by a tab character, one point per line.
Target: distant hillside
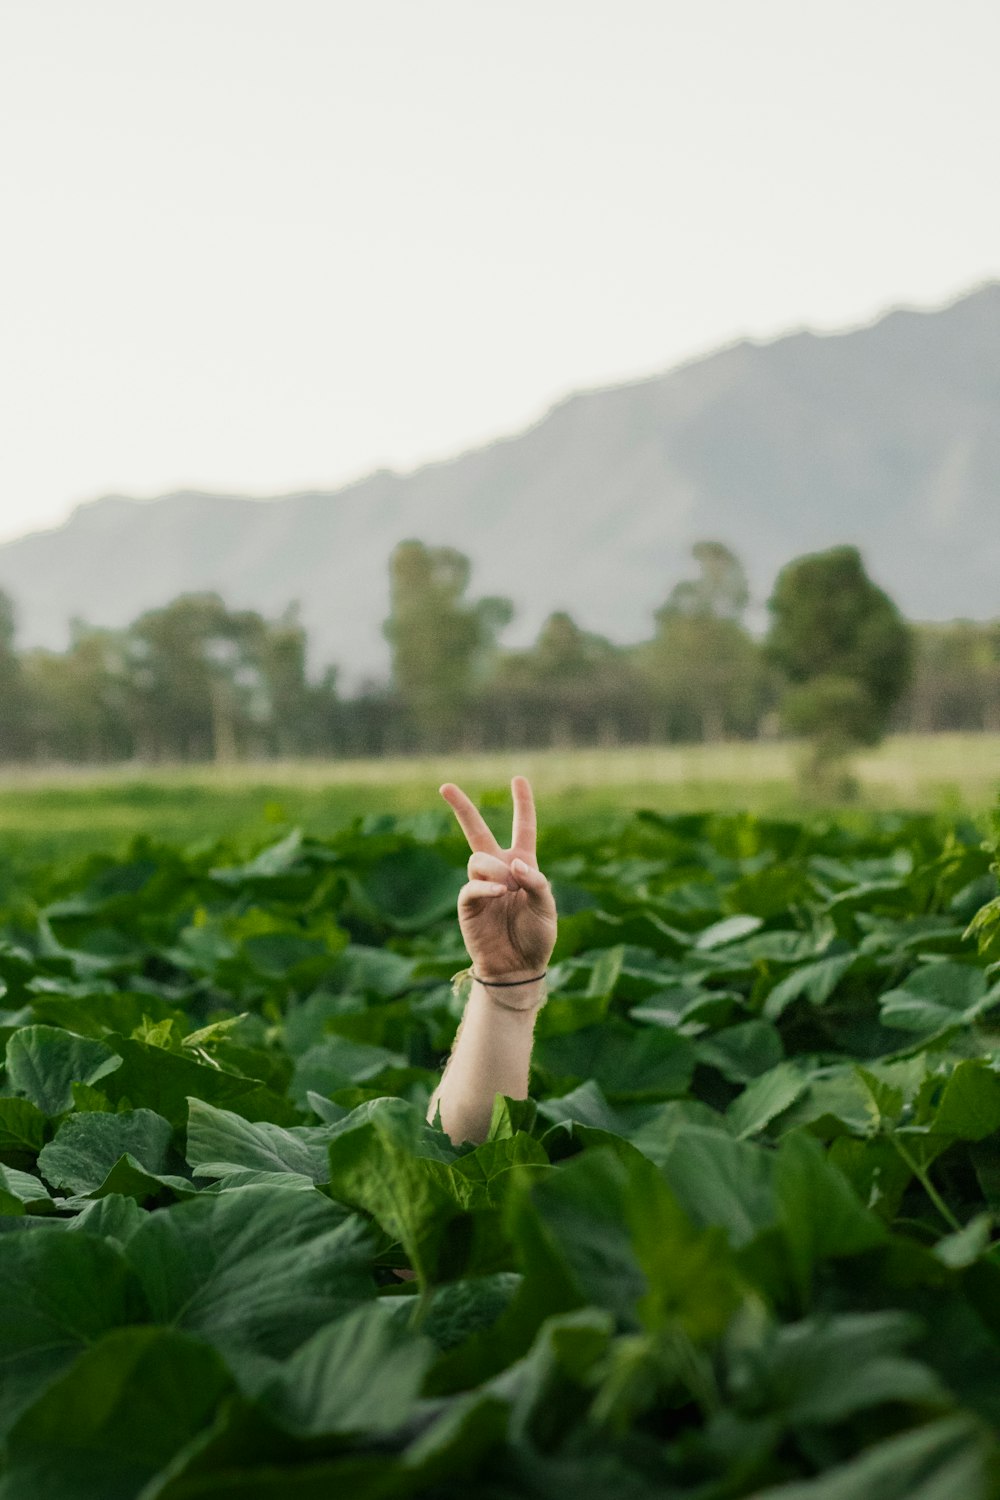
887	437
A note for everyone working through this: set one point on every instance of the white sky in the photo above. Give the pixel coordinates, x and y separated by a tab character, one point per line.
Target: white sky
268	244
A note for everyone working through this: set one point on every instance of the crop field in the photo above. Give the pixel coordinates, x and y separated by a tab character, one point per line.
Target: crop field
743	1240
55	813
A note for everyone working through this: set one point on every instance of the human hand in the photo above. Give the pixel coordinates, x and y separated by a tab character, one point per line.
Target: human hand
506	911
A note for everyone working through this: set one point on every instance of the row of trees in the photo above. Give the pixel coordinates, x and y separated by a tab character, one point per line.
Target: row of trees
197	681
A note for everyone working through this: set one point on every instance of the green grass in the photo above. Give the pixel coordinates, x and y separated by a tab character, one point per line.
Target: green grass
62	813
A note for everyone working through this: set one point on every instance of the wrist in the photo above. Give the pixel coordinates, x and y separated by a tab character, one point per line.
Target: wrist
512	993
508	977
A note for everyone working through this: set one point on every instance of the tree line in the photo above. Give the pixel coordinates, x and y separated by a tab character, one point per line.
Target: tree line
198	681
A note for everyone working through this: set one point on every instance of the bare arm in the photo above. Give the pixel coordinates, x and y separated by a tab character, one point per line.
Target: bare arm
508	921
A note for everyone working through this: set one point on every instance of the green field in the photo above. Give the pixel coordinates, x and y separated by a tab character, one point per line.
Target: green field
49	813
741	1243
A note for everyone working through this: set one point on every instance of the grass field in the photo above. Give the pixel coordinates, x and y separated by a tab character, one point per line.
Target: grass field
58	813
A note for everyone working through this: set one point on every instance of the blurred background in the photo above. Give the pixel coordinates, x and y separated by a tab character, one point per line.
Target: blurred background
608	391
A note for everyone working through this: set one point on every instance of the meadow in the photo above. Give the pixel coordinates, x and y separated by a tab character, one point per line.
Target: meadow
53	812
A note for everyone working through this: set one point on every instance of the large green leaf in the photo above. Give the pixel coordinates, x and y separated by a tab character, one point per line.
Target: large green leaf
381	1165
43	1063
627	1062
112	1421
411	887
254	1269
814	982
943	1460
88	1146
58	1293
22	1131
360	1374
824	1370
766	1097
938	997
819	1213
220	1142
969	1108
163	1081
605	1229
721	1180
336	1062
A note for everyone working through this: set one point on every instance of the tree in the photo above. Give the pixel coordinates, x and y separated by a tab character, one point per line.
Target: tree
571	687
443	645
844	649
80	697
720	592
703	668
15	701
198	687
956	677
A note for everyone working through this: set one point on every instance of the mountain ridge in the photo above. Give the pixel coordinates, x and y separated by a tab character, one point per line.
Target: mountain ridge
885	436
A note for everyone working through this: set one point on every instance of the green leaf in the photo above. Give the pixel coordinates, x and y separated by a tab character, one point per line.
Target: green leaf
452	1313
361	1374
87	1147
585	1104
824	1370
966	1245
220	1143
378	1166
721	1180
627	1062
410	888
814	982
605	1229
276	860
258	1268
820	1216
729	930
937	998
765	1098
510	1116
163	1081
337	1062
941	1460
970	1104
24	1189
741	1052
114	1216
22	1131
113	1420
43	1062
58	1293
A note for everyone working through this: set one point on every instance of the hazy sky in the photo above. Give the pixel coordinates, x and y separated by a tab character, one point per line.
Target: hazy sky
267	244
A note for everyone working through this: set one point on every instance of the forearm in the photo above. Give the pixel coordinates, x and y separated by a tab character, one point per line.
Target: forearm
491	1055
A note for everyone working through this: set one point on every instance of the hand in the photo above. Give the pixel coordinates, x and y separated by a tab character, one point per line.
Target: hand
506	911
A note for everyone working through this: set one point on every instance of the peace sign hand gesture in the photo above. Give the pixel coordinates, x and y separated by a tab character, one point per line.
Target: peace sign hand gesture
506	911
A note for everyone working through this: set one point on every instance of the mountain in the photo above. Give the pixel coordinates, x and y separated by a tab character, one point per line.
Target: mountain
886	436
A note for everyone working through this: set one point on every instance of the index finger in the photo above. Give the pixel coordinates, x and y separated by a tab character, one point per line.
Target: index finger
525	824
473	824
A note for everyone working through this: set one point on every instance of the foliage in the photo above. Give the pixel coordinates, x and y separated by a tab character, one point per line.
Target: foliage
196	681
441	644
846	654
832	627
743	1243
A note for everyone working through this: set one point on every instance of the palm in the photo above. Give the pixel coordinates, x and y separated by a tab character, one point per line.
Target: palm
506	911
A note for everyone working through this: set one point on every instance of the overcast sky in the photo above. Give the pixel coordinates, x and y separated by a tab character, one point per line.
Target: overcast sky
268	244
